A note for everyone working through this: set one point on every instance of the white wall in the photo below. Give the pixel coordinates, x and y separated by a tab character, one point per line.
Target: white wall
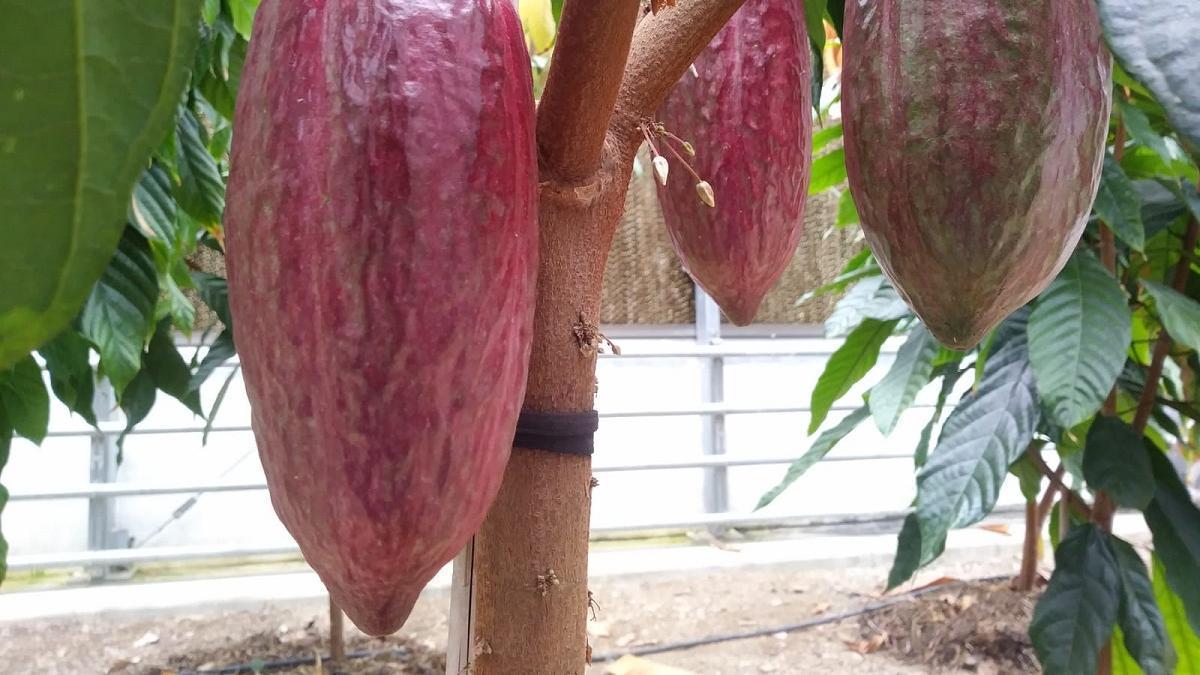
246	519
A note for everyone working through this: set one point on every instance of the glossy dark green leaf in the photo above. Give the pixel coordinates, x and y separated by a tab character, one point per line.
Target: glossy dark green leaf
168	369
1075	616
911	551
201	190
852	360
1118	204
1079	333
221	350
1116	460
1184	639
119	314
1141	622
136	402
1158	43
909	373
815	453
987	432
828	171
25	399
72	377
88	90
1174	522
1180	314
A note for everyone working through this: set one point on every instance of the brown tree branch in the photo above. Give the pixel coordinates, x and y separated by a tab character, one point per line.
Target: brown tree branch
585	73
1163	346
664	46
1077	504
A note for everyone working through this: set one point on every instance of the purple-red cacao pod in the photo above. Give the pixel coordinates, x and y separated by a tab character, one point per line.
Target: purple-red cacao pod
382	244
974	136
747	112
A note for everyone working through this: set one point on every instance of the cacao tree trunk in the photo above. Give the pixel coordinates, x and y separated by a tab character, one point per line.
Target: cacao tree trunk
1029	552
530	557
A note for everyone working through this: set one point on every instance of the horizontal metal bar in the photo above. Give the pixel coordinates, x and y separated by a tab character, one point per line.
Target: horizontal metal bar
94	490
180	553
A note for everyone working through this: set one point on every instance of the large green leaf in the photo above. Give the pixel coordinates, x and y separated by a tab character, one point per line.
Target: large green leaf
25	400
1079	333
71	375
1142	629
828	171
119	314
169	370
1174	522
950	379
987	432
872	298
1180	314
816	452
136	402
1075	616
852	360
909	373
88	90
201	190
1116	460
1184	639
1158	43
814	19
1117	203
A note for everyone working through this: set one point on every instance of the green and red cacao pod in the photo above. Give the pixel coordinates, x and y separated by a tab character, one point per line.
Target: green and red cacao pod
974	133
382	246
747	112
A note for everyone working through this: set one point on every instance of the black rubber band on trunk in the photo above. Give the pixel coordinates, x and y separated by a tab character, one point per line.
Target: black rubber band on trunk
566	433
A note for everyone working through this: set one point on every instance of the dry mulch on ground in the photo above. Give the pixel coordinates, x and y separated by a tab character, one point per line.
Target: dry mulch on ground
979	627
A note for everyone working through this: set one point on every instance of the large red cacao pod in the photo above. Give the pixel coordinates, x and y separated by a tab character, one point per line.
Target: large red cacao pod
382	244
974	136
747	111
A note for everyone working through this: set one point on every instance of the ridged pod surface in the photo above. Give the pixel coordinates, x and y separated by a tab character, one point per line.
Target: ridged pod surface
747	111
382	244
974	136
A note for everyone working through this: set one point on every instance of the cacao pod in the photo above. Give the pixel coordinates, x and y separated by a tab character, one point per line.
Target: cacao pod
382	244
746	110
974	137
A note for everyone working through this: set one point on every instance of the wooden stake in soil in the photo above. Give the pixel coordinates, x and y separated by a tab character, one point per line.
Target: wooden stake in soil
337	638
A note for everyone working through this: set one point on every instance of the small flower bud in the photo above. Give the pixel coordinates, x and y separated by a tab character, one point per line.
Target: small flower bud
687	147
661	169
705	192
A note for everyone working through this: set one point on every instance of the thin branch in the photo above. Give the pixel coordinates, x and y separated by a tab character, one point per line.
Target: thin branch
1047	501
664	46
1076	502
585	73
1163	347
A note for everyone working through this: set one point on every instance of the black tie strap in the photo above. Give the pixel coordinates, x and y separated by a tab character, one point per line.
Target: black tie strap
571	433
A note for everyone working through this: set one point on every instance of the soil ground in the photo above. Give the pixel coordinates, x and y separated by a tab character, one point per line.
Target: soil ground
943	631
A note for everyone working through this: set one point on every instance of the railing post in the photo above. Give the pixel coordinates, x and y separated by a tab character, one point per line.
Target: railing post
712	390
103	469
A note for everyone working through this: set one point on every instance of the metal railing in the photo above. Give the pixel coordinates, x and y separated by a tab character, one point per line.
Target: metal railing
713	460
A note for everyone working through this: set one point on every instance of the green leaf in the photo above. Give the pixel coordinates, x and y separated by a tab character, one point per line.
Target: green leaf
136	403
949	380
71	375
212	9
1139	128
852	360
1184	639
87	91
871	298
243	15
25	400
221	350
987	432
1115	460
815	453
1141	622
1123	662
1118	204
201	190
1075	616
1029	477
1158	43
217	401
836	11
214	291
1079	333
909	373
169	371
1180	314
814	20
828	171
911	550
847	211
120	312
1174	522
826	136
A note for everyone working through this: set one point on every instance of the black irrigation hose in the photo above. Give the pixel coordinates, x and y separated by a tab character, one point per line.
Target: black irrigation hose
787	628
264	666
